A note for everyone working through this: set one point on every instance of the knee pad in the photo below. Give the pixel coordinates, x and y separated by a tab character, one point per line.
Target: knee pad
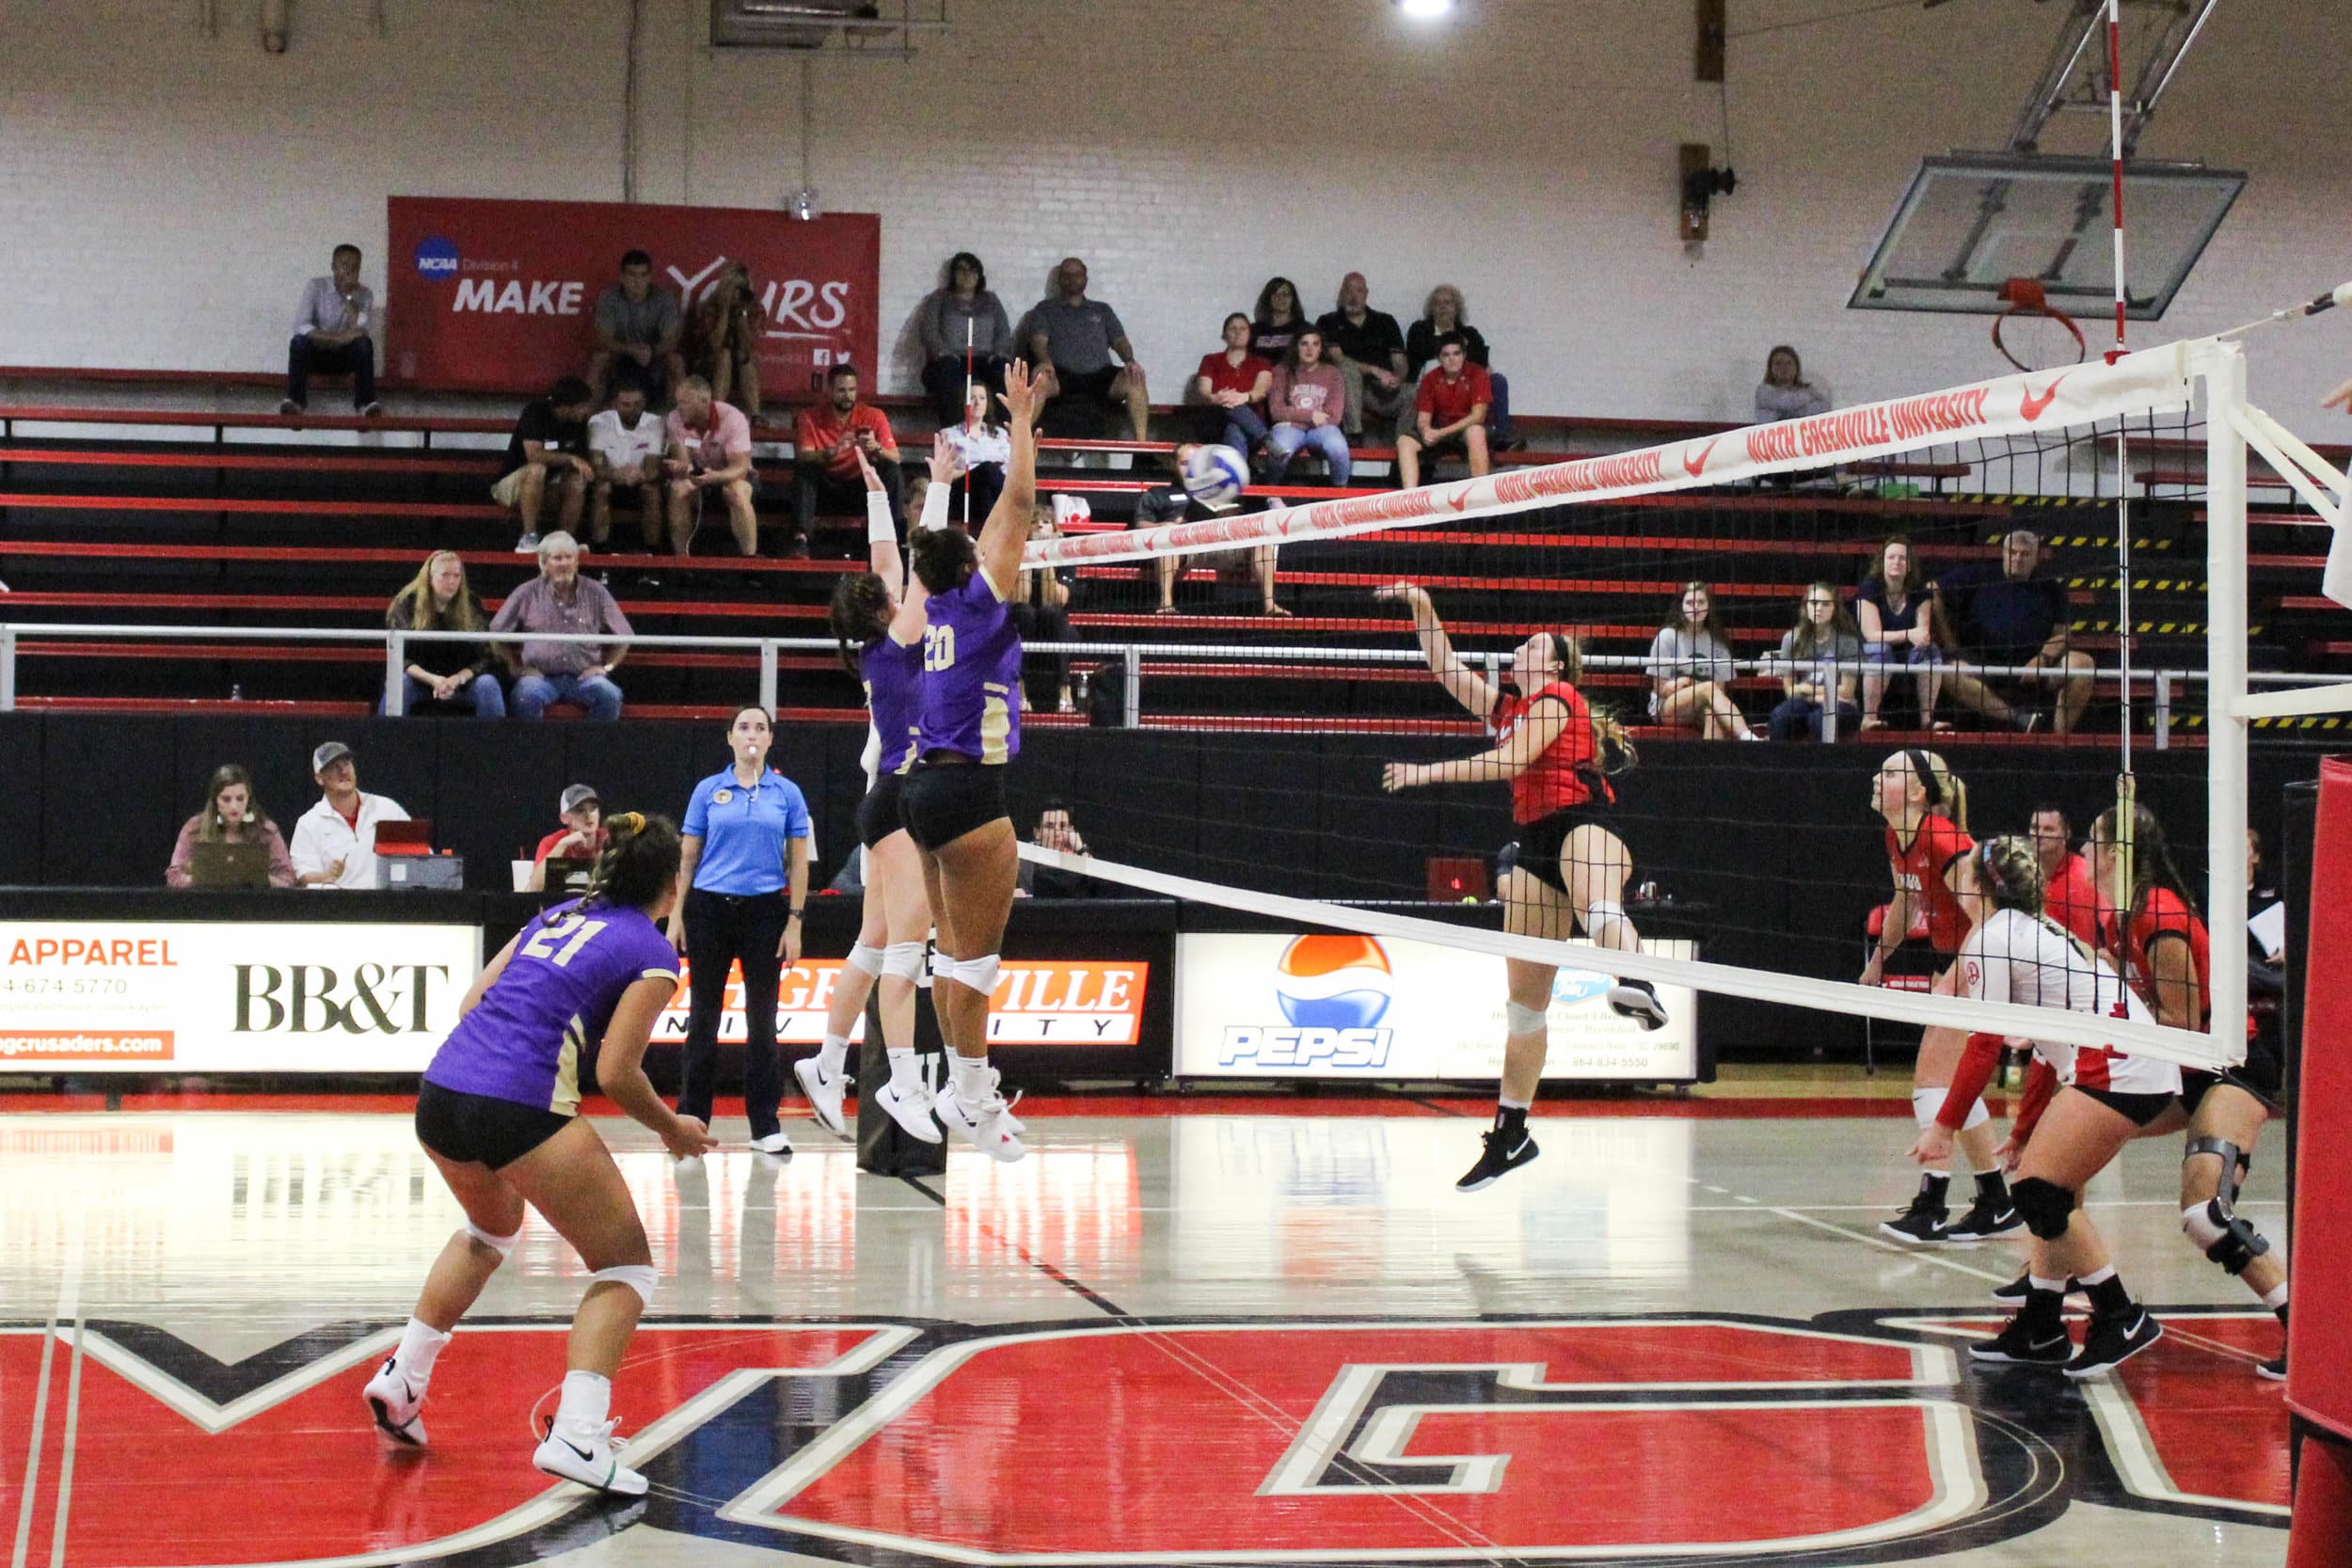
638	1277
2228	1239
978	974
502	1245
1599	916
1525	1021
869	959
2236	1163
1926	1103
2044	1205
903	960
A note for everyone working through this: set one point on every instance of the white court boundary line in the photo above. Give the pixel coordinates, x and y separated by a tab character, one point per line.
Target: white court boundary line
1836	996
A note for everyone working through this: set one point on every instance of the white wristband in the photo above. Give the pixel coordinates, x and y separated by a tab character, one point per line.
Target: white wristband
934	509
880	529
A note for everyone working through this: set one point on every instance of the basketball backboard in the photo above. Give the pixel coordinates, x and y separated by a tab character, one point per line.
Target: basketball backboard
1972	221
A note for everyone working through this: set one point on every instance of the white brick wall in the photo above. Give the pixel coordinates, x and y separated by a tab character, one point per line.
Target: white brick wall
163	195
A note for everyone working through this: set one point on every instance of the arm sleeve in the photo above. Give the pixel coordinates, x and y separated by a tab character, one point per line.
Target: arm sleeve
306	856
697	821
614	621
1969	1078
1112	328
510	613
931	326
881	528
306	316
1277	403
935	500
1983	974
175	873
2041	1087
999	344
282	871
796	821
1661	661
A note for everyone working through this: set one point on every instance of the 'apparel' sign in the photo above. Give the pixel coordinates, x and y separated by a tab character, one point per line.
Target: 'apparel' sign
98	996
492	295
1357	1006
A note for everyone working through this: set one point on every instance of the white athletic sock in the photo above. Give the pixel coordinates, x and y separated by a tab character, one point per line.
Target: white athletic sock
831	1054
968	1075
421	1346
2096	1276
1510	1105
2276	1296
903	1073
587	1399
2055	1287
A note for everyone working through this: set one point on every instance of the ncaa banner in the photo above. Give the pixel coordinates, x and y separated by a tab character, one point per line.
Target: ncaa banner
499	296
1357	1007
139	996
1036	1002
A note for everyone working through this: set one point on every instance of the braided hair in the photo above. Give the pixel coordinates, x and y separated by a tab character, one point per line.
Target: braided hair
638	864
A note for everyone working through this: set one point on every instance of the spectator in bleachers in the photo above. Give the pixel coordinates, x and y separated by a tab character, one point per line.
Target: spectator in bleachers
1042	611
1278	321
438	598
1690	671
1368	347
334	842
1056	830
626	445
1444	313
1449	416
1251	565
710	449
638	329
581	838
1072	339
558	600
1821	665
230	816
2010	616
727	328
827	443
982	446
1306	405
1784	394
550	447
1898	628
1234	382
333	332
962	315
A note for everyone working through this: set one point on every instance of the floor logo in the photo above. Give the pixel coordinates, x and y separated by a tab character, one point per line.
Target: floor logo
437	257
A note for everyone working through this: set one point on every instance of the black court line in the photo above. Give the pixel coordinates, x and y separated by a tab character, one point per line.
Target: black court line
1075	1286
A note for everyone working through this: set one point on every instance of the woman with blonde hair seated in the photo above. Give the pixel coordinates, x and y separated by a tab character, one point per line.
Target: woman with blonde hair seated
438	598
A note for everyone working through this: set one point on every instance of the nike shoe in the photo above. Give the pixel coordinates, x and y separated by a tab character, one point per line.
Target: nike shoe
397	1405
589	1455
775	1143
2024	1344
1923	1222
1983	1221
1501	1156
825	1094
1638	1001
2275	1370
2112	1340
982	1122
2014	1292
911	1108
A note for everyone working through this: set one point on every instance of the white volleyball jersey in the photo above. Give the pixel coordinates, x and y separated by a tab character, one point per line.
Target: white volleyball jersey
2013	956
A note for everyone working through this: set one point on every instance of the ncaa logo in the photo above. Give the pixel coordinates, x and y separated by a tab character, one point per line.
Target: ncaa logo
1333	982
437	257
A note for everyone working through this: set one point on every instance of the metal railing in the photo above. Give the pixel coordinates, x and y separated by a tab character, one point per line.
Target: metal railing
2163	685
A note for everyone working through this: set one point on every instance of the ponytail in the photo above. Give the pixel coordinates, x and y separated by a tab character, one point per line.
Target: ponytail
859	615
1612	749
2151	858
639	862
1947	794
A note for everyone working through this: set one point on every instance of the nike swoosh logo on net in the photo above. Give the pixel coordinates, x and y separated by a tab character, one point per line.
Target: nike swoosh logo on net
1694	467
1459	501
2033	407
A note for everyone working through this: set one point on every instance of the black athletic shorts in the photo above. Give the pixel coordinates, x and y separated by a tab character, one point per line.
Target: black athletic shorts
878	815
477	1127
942	802
2261	1075
1540	841
2141	1108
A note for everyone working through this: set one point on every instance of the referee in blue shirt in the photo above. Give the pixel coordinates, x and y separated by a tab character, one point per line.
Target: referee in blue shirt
743	882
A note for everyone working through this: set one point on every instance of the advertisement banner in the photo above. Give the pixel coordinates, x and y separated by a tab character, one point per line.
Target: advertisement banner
187	996
494	295
1356	1006
1037	1001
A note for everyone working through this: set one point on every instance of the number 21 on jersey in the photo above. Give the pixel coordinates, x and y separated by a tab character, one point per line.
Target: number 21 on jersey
939	647
543	945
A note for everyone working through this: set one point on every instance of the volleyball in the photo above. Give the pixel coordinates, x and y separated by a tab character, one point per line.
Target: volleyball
1216	475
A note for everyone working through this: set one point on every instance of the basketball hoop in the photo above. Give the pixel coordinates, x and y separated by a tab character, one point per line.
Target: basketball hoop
2031	333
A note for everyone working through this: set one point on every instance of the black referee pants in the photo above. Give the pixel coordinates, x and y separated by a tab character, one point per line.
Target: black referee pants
724	928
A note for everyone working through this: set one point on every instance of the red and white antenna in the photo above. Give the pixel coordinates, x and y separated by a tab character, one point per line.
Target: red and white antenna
2115	136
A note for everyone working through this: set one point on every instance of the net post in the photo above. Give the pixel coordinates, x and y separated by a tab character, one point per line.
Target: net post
1131	681
2225	692
395	676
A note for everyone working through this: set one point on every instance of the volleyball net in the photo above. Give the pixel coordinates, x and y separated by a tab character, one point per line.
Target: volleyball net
1237	758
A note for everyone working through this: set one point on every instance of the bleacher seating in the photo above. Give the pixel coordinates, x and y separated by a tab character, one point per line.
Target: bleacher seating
279	528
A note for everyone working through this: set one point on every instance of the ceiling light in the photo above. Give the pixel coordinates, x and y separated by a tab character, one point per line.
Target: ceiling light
1425	11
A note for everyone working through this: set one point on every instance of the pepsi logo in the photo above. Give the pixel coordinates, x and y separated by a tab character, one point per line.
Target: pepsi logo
437	257
1334	982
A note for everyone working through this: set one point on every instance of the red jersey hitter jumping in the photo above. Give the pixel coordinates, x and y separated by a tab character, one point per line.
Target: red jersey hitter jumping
1571	868
2017	954
1926	809
2165	952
